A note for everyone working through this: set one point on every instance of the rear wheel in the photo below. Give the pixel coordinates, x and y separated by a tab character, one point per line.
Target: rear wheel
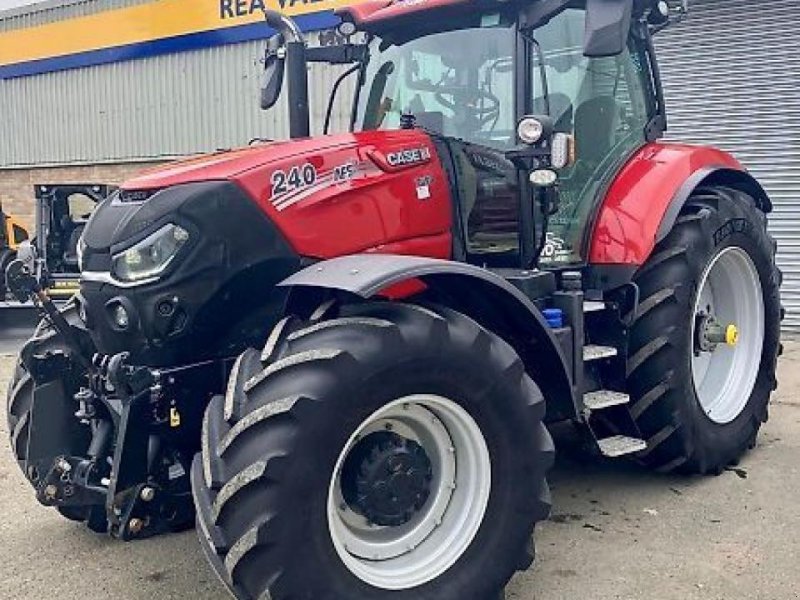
394	448
704	345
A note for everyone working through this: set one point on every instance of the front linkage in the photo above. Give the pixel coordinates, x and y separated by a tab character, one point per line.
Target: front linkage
114	457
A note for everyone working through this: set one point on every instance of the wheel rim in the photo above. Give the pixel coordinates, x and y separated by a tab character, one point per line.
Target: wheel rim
725	372
441	530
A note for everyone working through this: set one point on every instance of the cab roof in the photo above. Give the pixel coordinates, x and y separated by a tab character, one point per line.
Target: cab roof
378	15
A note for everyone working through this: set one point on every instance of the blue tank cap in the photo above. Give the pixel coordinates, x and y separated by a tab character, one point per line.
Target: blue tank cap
554	317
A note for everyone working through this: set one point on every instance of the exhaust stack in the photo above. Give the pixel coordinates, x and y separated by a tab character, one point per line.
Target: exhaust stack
296	72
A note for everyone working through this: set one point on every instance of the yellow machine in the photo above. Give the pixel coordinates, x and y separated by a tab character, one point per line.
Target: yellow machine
12	234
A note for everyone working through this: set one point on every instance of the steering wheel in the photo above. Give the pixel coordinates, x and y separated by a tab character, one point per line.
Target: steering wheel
483	112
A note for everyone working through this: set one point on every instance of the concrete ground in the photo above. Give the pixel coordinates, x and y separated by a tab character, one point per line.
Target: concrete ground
617	533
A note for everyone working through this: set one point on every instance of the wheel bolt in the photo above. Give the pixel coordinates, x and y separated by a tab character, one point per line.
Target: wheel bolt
50	492
147	494
135	526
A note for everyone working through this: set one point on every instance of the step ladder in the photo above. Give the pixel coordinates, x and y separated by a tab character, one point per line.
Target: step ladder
617	445
597	401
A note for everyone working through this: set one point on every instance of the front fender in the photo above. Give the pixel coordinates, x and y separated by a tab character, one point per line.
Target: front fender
480	294
647	195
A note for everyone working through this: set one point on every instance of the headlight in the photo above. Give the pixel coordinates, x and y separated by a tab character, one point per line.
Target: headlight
79	251
150	257
530	130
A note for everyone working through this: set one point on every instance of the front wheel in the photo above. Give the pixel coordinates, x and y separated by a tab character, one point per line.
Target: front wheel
705	340
393	448
19	403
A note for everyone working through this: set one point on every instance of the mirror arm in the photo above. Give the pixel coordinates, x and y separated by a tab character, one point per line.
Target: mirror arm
345	54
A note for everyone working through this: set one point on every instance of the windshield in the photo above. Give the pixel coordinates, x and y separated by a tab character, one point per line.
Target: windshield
461	83
451	84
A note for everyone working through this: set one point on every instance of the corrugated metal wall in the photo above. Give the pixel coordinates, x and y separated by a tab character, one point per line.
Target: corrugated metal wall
167	105
732	79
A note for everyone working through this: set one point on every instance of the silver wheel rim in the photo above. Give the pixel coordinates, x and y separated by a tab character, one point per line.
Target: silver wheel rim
725	376
397	558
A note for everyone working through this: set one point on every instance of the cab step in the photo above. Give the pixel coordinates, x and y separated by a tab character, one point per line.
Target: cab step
593	352
605	399
621	445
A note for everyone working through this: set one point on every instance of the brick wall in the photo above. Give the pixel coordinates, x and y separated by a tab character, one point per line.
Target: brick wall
16	185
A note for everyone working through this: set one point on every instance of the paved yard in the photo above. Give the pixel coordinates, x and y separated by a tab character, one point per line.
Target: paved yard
617	532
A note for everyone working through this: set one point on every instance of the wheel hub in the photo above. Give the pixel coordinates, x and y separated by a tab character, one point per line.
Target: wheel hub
710	333
387	479
428	453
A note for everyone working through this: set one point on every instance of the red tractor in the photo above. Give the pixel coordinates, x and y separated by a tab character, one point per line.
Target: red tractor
362	336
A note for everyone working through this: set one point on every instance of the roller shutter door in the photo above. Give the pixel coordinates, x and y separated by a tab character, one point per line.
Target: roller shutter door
731	74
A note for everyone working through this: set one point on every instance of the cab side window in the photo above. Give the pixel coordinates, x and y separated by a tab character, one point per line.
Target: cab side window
603	103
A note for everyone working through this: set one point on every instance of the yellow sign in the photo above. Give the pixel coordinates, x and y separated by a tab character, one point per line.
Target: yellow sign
157	27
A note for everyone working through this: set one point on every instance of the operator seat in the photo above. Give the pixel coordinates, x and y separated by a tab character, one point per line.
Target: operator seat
595	122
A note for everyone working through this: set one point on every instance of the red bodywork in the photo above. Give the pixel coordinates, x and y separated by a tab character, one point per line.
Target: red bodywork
358	201
376	206
640	195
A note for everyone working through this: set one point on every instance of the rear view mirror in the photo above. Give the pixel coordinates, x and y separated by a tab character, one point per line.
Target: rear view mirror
608	23
274	65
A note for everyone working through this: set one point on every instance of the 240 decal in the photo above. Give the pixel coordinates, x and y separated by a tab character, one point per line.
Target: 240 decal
296	178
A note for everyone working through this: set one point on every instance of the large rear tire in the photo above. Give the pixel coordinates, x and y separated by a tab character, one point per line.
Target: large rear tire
700	400
392	449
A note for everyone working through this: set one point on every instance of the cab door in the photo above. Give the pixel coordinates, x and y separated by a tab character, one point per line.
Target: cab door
606	105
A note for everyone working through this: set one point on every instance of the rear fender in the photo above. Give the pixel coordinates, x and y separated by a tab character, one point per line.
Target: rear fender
713	176
644	200
480	294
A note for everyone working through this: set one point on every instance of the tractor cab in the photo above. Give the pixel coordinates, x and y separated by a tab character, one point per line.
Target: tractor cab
565	90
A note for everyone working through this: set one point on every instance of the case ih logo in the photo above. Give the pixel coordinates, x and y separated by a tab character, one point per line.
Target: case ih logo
409	157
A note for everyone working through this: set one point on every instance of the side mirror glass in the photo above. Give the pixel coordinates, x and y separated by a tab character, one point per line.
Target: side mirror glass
274	66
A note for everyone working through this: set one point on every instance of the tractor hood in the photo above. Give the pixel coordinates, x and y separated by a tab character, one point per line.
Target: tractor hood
178	246
227	164
326	196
